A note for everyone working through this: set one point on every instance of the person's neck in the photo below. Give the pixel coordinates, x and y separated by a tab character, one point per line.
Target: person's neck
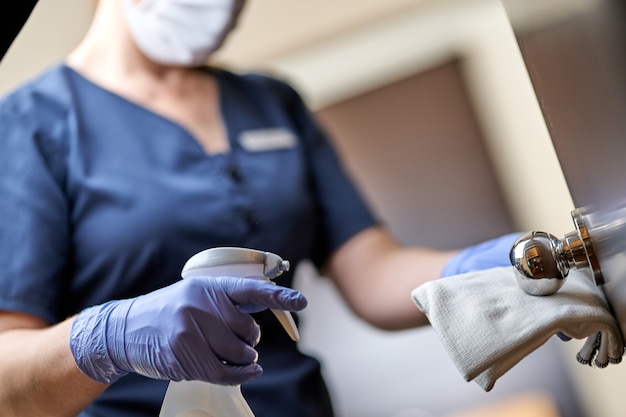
108	56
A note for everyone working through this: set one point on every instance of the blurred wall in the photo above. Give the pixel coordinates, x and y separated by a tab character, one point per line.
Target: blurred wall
416	149
53	29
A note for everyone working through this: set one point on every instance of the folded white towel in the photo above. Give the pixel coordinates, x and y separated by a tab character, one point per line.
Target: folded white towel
487	323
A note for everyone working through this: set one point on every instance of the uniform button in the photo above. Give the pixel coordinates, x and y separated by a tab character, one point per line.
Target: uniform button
233	172
249	219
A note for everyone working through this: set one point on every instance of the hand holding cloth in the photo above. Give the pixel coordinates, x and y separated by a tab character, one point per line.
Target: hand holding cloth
487	323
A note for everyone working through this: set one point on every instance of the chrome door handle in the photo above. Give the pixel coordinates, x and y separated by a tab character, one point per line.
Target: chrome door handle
542	261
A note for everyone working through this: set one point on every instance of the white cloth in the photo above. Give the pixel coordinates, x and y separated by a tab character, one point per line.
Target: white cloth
487	323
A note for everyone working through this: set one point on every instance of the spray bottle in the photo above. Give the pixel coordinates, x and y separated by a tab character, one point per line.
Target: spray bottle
203	399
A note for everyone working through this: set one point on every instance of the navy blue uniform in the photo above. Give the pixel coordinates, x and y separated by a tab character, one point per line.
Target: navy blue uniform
102	199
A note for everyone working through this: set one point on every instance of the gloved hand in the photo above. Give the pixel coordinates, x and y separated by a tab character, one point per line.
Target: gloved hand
196	329
488	324
599	350
485	255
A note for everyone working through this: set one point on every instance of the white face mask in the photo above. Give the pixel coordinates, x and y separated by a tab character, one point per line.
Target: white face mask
181	32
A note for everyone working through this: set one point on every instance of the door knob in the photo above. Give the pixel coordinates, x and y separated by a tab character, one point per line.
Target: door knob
542	261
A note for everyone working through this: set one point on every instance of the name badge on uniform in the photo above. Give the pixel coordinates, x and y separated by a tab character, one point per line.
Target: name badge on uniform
267	140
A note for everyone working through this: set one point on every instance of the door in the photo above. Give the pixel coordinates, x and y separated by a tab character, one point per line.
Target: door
575	54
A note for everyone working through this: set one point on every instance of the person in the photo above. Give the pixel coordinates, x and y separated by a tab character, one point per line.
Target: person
130	156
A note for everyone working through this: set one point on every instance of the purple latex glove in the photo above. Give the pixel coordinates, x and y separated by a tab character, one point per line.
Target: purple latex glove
485	255
196	329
